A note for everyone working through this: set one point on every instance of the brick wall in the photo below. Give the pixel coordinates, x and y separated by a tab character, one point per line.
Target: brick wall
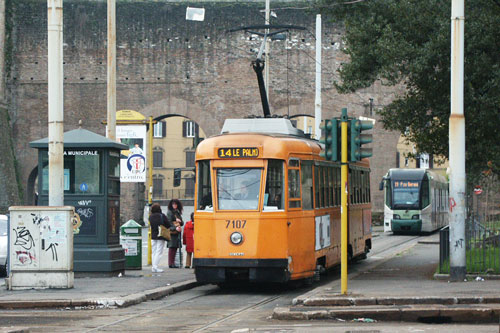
167	65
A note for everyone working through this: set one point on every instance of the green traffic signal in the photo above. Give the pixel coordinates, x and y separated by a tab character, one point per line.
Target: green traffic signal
358	139
329	137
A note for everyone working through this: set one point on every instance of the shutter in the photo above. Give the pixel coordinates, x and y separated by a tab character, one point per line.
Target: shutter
196	130
163	129
184	128
397	159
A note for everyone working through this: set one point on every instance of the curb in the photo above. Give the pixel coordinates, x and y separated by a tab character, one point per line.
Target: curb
407	313
120	302
469	277
429	300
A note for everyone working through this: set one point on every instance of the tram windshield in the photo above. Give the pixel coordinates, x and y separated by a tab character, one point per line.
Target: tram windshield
238	189
406	195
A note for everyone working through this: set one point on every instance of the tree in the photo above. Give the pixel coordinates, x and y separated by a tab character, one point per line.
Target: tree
407	42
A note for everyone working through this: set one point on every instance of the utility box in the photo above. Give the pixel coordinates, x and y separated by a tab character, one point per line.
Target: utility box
41	247
131	241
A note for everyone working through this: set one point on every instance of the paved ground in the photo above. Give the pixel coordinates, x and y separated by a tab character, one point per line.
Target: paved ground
391	289
133	287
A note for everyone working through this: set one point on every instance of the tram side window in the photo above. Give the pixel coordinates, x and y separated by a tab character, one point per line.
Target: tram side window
330	186
307	184
273	198
204	186
388	193
337	185
316	186
293	188
425	193
351	187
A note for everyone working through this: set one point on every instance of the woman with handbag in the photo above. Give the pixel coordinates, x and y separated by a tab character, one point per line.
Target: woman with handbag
157	219
174	215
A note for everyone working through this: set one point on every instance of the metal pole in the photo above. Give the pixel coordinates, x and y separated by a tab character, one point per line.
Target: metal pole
266	59
111	64
150	162
317	104
2	48
55	101
457	146
150	182
343	201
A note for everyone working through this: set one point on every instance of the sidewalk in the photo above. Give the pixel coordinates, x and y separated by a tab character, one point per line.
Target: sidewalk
400	287
134	287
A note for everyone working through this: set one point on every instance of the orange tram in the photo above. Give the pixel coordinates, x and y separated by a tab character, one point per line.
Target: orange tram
268	205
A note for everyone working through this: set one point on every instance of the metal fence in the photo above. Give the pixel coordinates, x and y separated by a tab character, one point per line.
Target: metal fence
181	194
482	239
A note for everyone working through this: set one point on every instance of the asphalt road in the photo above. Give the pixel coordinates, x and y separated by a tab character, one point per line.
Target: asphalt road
210	309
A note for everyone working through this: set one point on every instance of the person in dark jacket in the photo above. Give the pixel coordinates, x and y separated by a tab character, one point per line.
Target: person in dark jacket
174	215
156	219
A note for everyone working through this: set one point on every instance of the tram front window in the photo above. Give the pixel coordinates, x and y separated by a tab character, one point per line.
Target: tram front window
406	195
238	189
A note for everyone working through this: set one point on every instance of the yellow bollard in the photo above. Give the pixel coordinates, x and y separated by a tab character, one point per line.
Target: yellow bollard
150	260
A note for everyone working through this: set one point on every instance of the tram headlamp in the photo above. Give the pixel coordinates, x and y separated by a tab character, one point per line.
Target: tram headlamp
236	238
415	217
396	217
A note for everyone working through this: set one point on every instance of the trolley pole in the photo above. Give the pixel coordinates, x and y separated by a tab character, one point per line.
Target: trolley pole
150	183
343	207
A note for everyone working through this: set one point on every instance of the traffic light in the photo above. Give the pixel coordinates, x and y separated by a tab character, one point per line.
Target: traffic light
329	137
358	139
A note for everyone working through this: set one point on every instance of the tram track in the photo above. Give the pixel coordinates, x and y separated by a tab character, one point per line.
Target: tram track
380	256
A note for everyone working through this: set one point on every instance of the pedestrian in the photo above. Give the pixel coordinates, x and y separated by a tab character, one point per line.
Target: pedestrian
174	215
188	240
156	219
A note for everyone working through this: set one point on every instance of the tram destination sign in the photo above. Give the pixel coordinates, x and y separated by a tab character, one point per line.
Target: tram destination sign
406	184
246	152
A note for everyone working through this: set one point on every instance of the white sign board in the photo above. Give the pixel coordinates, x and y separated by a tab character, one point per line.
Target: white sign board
132	161
323	238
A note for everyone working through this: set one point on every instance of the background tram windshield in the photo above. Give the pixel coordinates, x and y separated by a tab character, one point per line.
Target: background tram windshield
238	189
406	195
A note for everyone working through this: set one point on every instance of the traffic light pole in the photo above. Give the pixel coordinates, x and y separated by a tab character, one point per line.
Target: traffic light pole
343	209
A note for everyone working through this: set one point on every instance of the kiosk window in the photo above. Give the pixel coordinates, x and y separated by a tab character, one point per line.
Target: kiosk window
82	171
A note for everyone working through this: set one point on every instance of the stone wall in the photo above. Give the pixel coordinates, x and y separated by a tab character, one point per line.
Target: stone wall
167	65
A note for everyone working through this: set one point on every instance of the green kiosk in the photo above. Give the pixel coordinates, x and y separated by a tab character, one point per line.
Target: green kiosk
92	186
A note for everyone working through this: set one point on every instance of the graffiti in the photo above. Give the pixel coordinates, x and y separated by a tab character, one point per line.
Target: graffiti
459	243
25	257
452	204
24	238
53	248
86	212
76	222
84	202
37	219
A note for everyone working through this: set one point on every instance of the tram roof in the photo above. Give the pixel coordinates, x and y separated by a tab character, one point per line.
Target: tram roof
414	174
261	125
272	145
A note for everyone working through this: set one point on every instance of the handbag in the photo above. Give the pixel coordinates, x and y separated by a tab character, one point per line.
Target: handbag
164	232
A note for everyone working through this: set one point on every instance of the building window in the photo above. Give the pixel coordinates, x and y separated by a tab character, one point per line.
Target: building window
190	129
157	159
189	158
157	187
190	187
160	129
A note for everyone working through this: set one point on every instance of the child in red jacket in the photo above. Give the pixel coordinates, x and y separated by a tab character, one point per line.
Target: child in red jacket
188	240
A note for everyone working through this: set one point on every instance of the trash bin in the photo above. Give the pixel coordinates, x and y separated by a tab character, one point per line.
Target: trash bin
131	241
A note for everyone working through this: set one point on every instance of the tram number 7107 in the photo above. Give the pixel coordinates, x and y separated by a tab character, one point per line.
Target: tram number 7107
236	224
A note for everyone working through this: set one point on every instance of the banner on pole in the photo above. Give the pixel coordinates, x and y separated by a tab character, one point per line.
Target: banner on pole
132	161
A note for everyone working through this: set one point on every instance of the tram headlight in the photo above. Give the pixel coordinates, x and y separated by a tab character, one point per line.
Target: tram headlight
396	217
236	238
415	217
